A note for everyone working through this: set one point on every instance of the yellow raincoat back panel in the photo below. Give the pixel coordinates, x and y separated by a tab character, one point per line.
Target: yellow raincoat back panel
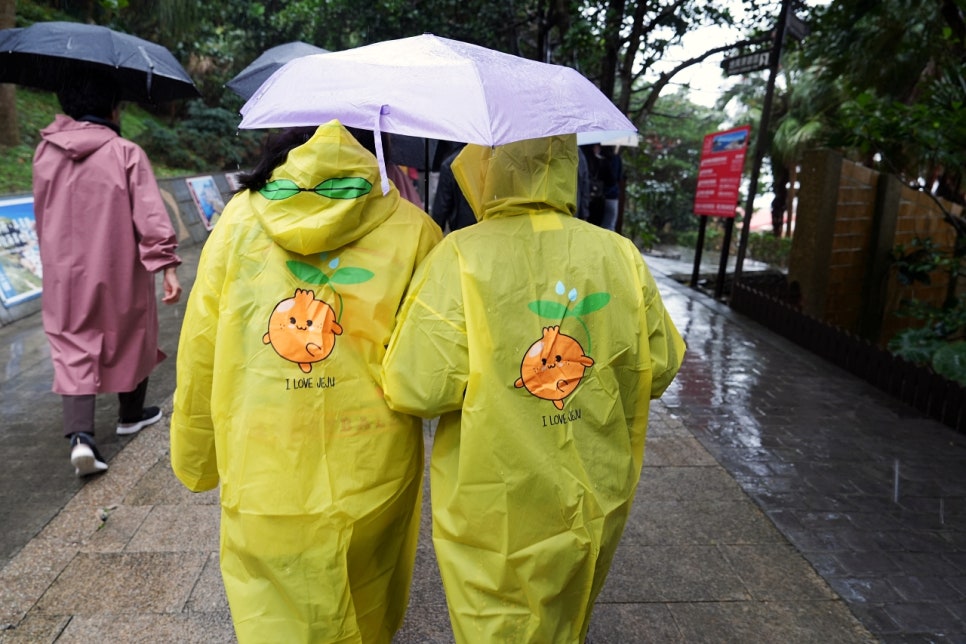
279	398
540	340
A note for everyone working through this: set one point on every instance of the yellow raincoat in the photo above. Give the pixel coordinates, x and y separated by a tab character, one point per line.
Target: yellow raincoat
540	340
279	398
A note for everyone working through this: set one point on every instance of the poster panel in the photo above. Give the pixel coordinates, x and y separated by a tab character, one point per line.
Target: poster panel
207	198
719	172
21	275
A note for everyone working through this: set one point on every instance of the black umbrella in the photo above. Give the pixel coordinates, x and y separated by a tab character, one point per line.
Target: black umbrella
414	151
45	54
251	78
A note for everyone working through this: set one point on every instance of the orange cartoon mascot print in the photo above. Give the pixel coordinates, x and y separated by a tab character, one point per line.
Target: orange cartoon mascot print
554	365
302	329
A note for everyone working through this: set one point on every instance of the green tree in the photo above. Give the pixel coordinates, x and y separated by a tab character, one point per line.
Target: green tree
615	43
898	67
662	174
800	123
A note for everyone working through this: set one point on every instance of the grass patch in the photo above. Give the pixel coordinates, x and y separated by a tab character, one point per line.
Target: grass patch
35	111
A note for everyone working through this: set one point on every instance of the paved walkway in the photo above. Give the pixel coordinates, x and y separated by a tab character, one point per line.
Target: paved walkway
782	500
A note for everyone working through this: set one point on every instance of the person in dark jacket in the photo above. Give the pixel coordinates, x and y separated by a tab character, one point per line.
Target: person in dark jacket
450	209
611	172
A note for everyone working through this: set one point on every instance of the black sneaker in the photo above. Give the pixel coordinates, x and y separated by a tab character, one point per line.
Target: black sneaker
84	455
149	416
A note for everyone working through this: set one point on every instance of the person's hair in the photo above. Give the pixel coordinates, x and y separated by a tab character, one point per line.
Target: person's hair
89	94
277	147
274	151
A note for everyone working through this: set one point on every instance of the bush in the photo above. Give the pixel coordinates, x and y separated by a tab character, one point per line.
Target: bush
713	238
640	231
771	250
163	146
938	343
206	139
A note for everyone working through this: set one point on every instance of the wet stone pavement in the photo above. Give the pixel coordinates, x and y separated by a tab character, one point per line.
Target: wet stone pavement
32	447
781	499
871	493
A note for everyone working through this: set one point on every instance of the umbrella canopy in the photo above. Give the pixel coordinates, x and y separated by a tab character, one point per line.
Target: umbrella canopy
434	87
250	79
45	54
406	150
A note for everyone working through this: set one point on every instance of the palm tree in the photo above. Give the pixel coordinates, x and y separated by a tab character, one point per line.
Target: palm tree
802	124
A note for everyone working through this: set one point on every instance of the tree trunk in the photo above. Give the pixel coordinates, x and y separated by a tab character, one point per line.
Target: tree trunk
9	127
611	60
790	208
780	177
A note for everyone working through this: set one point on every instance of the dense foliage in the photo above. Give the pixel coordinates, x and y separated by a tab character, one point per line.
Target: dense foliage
889	77
880	80
663	172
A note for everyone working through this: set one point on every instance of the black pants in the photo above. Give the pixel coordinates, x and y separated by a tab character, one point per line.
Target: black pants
79	410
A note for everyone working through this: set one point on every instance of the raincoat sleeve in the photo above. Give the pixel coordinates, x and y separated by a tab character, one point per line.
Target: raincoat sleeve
157	241
192	429
426	366
666	345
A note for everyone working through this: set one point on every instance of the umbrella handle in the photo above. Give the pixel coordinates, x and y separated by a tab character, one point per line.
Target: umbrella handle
380	155
150	63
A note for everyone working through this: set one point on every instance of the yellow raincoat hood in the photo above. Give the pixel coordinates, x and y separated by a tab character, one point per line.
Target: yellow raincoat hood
279	399
516	179
334	164
540	340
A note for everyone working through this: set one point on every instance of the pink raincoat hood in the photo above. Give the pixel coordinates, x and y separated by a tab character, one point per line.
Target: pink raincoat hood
77	139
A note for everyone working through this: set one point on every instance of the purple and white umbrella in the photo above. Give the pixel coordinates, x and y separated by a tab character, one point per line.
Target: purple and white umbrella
437	88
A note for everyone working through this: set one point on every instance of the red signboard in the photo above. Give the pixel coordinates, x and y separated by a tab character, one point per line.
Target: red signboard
719	172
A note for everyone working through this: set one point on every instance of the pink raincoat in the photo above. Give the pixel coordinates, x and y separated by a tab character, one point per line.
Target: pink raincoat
104	231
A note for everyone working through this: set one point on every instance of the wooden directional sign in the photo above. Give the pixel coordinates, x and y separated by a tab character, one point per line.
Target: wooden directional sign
745	63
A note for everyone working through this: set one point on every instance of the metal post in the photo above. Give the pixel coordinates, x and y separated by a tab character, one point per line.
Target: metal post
696	272
723	263
763	137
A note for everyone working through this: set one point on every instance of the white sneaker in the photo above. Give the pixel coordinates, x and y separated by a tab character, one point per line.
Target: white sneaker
150	416
84	455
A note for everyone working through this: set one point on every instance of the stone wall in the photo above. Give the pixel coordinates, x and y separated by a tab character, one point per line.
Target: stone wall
185	212
849	219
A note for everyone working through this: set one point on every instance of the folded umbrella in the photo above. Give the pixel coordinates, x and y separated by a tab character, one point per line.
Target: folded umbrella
46	54
257	72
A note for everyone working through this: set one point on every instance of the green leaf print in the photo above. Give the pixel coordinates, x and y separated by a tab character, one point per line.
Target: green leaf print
591	303
351	275
307	272
548	309
279	189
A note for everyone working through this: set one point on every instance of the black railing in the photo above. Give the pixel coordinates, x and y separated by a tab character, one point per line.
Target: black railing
935	396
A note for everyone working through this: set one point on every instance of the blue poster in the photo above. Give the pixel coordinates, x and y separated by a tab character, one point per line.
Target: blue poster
21	276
